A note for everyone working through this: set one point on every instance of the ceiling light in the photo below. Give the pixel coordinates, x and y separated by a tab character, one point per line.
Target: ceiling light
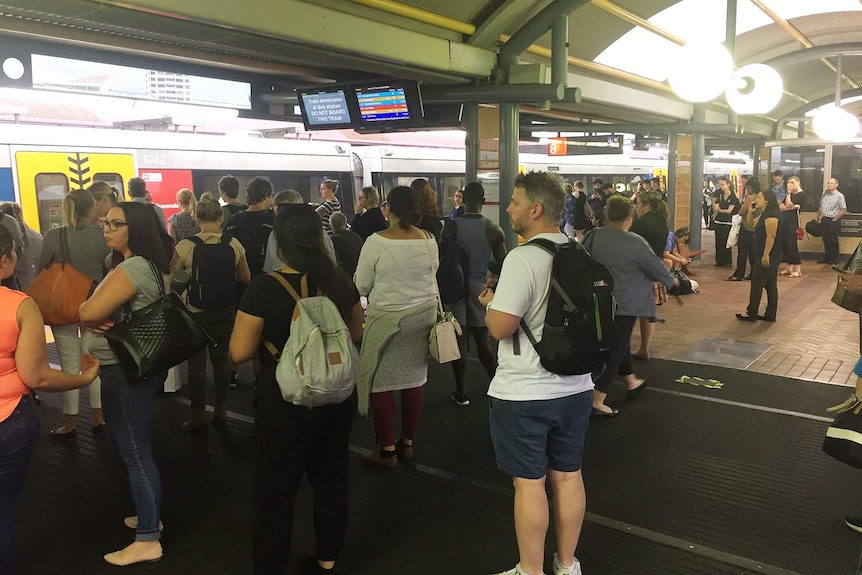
754	89
836	124
13	68
700	71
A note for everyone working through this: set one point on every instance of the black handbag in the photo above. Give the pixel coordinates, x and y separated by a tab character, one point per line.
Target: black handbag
813	228
157	337
844	437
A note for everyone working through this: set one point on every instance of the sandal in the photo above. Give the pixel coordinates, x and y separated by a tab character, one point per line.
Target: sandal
55	433
784	272
795	274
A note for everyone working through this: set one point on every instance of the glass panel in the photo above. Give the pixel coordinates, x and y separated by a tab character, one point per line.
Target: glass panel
807	163
115	180
50	191
847	167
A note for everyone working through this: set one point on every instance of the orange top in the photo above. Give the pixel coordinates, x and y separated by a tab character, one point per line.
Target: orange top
12	388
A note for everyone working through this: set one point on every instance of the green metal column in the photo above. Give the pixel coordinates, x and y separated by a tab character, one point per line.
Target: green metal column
671	177
470	121
698	151
509	117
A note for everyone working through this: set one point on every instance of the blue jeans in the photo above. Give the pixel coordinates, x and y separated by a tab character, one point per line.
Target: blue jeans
18	435
127	413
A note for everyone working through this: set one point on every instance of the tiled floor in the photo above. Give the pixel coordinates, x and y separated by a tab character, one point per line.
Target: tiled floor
812	338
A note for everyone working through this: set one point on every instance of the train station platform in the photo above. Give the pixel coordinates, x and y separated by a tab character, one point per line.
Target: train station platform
688	480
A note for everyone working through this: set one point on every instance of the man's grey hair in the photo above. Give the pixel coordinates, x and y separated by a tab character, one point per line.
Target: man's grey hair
338	221
546	189
371	195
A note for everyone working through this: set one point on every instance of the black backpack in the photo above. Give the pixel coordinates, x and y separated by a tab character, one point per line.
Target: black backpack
252	229
453	275
579	321
212	283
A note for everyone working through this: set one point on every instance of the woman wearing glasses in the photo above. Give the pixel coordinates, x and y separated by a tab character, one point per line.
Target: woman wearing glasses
141	257
81	238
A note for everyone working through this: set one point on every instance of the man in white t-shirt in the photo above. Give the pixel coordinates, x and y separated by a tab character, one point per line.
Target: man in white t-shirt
538	419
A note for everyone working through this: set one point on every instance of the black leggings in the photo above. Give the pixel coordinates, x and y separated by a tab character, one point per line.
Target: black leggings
292	440
620	359
723	255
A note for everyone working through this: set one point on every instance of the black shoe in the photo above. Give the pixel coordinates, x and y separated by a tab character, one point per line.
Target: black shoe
65	435
854	523
734	279
634	393
234	379
611	413
743	317
310	566
764	318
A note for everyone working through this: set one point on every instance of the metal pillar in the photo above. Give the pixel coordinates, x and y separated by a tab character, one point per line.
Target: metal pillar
508	166
470	121
730	44
698	151
671	177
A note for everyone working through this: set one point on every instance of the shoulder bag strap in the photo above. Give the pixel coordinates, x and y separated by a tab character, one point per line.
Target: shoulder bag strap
434	278
296	297
65	258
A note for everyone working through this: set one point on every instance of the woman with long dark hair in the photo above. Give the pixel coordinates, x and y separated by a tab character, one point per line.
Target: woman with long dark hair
290	439
142	252
397	271
725	205
426	202
767	251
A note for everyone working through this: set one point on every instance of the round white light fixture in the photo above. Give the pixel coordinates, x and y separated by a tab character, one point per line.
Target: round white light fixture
700	72
754	89
836	124
13	68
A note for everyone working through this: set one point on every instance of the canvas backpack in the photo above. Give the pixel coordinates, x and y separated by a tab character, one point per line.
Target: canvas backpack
319	362
453	275
212	281
579	321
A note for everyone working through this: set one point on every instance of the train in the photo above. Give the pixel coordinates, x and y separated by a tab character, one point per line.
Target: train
40	164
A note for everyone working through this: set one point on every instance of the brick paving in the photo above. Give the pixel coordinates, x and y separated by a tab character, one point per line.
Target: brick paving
812	339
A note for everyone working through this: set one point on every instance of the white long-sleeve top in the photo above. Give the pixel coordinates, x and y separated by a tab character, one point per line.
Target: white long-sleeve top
397	274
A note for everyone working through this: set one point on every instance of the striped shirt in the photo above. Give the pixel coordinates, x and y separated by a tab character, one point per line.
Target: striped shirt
832	203
325	210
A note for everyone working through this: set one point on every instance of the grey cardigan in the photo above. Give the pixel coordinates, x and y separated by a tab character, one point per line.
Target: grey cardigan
634	266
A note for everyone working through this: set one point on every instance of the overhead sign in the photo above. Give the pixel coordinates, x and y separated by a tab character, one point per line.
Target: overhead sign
585	145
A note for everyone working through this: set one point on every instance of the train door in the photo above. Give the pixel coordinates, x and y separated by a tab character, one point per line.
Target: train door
45	177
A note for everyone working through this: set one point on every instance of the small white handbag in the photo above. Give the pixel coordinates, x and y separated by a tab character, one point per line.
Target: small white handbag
443	341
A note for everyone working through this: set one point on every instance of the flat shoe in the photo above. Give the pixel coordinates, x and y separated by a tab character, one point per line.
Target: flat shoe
403	450
65	435
784	272
636	391
743	317
611	413
374	458
733	279
125	557
764	318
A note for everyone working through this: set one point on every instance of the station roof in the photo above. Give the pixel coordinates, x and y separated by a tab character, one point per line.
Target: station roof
619	50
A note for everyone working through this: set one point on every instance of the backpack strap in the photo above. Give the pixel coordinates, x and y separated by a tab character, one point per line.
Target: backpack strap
550	247
296	297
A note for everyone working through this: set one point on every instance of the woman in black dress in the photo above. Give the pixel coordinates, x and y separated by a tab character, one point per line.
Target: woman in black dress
789	223
724	206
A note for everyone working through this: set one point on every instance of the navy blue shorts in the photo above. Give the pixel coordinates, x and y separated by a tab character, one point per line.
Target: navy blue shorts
531	437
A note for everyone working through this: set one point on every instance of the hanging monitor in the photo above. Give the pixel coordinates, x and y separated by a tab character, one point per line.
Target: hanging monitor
388	105
325	108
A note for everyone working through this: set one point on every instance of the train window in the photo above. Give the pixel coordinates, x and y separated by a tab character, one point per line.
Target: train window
115	180
50	191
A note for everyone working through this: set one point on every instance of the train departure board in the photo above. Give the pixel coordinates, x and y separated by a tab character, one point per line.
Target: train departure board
383	104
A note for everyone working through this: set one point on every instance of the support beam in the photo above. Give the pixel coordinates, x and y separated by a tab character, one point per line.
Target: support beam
730	45
312	25
672	128
419	15
636	20
698	150
795	57
470	122
508	166
535	28
506	93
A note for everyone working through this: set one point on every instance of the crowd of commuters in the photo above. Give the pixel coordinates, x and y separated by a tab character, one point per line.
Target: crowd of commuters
279	249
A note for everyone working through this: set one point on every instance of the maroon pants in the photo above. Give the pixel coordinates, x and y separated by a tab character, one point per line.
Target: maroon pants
383	410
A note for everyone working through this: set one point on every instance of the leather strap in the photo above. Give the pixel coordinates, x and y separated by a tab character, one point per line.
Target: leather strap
303	283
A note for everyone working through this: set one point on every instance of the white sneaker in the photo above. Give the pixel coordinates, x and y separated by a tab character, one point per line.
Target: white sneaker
575	569
516	570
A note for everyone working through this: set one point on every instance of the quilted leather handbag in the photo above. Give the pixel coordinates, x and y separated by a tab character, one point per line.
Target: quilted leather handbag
60	289
157	337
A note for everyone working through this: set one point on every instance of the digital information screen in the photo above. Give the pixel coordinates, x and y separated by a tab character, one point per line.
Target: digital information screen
382	104
326	108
